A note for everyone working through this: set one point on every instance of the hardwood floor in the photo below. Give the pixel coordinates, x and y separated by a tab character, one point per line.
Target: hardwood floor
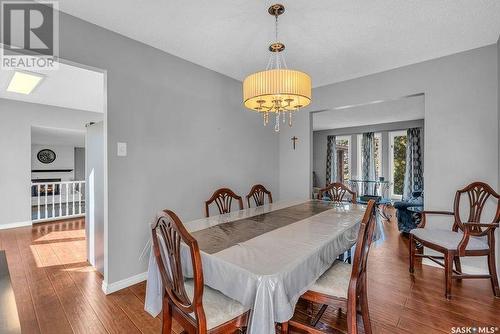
57	291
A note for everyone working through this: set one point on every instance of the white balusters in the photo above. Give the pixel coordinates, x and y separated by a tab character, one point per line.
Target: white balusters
67	199
47	196
38	201
46	191
53	200
80	198
73	198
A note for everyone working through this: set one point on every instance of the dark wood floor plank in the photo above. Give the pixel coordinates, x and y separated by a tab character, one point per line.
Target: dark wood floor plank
50	313
134	309
77	309
111	315
24	302
57	291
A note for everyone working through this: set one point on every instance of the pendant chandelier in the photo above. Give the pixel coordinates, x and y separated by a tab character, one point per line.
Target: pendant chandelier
277	91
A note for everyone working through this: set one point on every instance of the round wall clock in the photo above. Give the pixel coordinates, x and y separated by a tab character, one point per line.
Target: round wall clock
46	156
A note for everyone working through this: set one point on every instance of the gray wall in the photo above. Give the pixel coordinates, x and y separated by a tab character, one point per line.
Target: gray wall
461	122
319	145
79	163
187	135
16	119
94	195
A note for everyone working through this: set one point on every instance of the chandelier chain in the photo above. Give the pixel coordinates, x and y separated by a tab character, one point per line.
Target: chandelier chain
276	27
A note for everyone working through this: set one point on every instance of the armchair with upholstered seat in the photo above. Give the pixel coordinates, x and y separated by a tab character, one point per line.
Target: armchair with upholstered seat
466	238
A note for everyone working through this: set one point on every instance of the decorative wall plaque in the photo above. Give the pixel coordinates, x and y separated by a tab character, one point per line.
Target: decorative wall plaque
46	156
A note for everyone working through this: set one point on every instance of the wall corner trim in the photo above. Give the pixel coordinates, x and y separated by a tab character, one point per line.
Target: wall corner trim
17	224
124	283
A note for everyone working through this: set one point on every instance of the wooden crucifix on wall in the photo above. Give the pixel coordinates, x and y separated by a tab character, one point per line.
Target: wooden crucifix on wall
294	141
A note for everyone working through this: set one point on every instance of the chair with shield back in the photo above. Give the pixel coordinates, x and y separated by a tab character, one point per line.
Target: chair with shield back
337	192
196	307
223	198
258	193
346	283
473	237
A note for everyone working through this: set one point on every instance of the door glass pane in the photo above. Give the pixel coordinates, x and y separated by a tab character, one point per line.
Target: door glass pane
399	163
378	155
343	172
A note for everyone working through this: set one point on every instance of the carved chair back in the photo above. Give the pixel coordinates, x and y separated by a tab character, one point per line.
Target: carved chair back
258	193
477	194
169	235
336	191
223	197
365	238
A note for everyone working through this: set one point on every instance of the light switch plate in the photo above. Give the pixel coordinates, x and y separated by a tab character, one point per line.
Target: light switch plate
121	149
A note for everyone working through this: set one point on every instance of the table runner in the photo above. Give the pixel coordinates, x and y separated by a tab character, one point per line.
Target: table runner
268	273
219	237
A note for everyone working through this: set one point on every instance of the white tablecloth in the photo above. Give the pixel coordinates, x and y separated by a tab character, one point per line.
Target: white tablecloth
270	272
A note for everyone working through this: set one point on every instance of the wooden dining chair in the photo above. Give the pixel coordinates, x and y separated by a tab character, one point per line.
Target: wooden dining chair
470	238
196	307
336	192
223	197
344	282
258	193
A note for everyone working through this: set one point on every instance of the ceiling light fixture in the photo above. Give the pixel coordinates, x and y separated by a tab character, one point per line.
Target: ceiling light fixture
24	82
277	90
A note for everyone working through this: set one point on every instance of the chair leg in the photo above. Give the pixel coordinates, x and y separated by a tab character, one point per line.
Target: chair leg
448	271
493	272
284	328
365	313
412	254
458	266
352	325
167	317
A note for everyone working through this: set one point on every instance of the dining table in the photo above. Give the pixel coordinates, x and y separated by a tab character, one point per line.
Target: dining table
266	257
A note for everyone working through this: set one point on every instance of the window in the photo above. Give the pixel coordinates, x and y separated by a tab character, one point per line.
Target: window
343	158
397	162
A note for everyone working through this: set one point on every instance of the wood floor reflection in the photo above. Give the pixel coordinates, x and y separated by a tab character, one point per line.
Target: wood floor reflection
57	291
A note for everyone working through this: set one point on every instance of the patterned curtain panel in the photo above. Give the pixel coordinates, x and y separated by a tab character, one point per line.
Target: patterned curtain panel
368	162
414	177
331	159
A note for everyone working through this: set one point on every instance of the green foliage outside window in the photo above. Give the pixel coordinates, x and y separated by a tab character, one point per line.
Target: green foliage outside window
399	163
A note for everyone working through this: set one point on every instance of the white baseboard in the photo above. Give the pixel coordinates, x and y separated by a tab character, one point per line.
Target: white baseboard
124	283
15	225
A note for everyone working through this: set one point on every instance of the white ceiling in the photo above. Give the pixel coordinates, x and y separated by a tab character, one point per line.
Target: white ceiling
53	136
404	109
332	40
68	86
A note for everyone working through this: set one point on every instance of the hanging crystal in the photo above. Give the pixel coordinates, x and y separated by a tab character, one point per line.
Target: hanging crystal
290	119
277	123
